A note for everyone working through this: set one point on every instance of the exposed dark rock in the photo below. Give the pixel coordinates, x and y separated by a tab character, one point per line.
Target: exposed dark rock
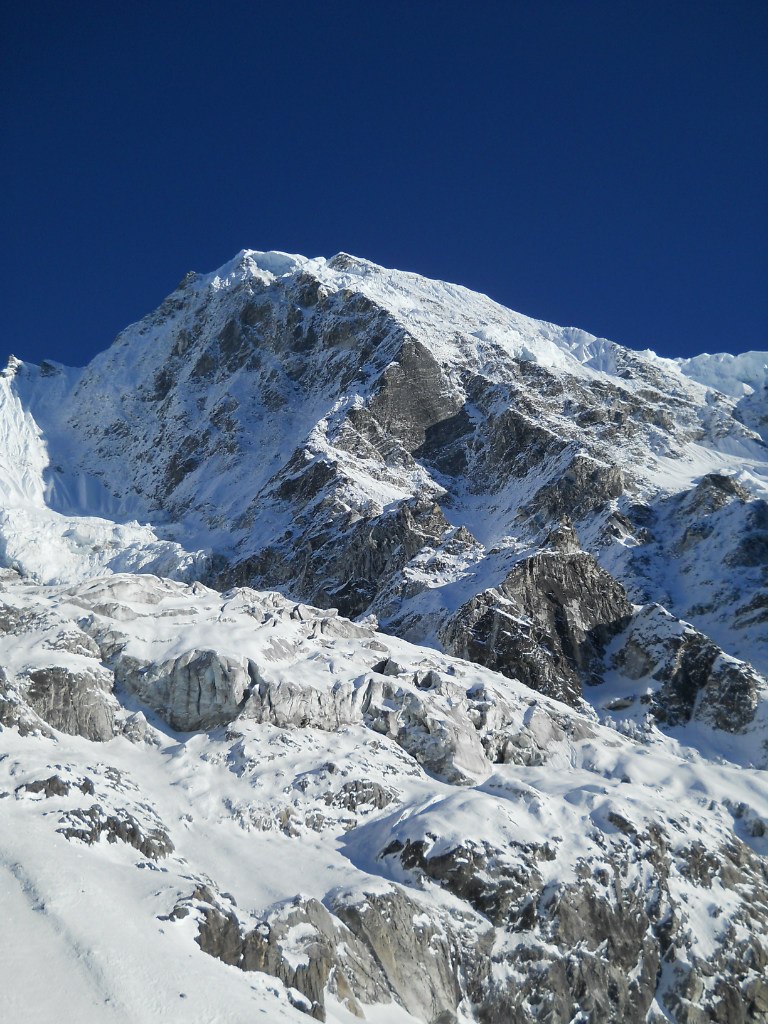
310	964
547	624
420	961
345	568
691	676
54	785
18	620
595	948
387	667
583	486
88	825
78	702
444	444
414	396
15	713
332	442
504	892
514	442
714	491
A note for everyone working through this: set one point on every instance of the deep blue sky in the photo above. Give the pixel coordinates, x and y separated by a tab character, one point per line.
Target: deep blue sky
596	164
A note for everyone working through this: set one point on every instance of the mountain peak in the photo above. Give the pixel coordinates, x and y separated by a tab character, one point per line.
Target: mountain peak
564	543
12	366
268	266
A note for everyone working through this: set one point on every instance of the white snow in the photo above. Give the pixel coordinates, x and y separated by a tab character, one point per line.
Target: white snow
86	930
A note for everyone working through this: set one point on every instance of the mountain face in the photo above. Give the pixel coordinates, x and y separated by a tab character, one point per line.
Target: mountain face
380	653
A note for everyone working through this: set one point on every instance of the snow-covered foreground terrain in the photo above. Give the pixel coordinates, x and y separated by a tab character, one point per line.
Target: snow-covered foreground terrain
351	768
523	780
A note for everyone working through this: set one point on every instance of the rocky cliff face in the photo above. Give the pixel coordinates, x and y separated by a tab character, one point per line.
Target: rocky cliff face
329	426
399	651
549	621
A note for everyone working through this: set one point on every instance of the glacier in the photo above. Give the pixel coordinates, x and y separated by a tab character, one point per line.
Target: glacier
371	651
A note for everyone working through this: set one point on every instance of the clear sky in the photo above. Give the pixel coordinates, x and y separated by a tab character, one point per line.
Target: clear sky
603	165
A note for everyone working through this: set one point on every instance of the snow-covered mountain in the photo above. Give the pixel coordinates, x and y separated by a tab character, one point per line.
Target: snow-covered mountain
376	651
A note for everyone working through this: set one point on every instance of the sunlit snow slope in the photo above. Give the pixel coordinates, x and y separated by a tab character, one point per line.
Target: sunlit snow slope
371	651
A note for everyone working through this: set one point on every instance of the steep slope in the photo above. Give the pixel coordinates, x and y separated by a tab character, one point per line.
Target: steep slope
744	376
369	440
537	793
60	524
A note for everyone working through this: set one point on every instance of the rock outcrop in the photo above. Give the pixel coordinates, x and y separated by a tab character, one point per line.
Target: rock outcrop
384	413
548	623
525	786
79	702
689	676
88	825
365	951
